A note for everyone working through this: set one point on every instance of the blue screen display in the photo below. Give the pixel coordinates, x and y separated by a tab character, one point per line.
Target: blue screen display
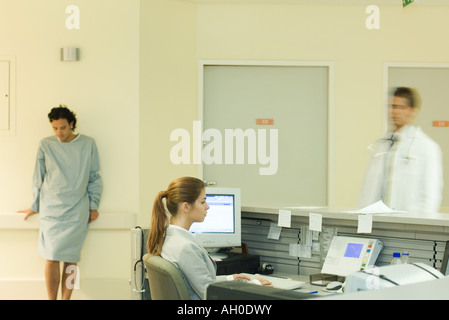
353	250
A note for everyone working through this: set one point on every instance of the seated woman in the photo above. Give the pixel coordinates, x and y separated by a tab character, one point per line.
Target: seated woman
169	237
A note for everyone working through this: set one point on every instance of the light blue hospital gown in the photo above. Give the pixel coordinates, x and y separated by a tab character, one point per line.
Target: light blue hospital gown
66	185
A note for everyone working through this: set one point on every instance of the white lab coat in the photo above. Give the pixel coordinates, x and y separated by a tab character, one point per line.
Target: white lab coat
416	176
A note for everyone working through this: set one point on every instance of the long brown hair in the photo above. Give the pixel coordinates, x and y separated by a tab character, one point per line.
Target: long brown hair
185	189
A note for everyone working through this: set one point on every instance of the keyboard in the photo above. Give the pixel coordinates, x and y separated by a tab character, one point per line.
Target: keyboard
278	282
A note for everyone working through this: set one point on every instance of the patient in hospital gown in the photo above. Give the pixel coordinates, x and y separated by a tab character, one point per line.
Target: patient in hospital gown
67	188
66	185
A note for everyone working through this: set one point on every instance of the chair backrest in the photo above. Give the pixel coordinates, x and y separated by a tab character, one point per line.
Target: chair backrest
165	280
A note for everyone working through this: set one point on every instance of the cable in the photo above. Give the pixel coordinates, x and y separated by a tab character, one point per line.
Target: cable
389	280
425	270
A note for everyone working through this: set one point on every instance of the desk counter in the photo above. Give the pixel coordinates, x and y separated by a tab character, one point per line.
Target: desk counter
440	220
423	235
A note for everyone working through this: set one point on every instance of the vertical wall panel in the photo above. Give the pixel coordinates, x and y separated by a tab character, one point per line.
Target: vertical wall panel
5	113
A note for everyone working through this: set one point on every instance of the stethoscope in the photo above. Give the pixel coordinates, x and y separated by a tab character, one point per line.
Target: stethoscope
389	142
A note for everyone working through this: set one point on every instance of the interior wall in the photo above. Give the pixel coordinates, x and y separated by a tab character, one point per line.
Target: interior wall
102	88
137	81
336	33
168	92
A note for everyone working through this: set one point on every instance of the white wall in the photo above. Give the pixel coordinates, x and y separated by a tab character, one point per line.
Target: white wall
337	33
168	92
279	31
104	268
138	80
102	88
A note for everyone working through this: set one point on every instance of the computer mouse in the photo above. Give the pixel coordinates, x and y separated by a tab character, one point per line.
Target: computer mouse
334	286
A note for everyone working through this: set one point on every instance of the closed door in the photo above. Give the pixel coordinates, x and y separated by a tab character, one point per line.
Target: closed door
4	96
272	124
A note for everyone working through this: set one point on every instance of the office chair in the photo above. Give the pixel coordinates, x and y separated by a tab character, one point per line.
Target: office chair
165	280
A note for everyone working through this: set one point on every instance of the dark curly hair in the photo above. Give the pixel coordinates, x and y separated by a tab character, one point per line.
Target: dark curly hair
62	112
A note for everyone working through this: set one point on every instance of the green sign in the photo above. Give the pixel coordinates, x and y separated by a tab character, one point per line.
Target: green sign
406	2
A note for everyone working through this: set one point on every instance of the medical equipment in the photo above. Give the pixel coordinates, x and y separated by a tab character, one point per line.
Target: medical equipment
382	146
390	276
140	289
349	254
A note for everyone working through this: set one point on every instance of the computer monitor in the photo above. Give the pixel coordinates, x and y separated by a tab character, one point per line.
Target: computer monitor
222	226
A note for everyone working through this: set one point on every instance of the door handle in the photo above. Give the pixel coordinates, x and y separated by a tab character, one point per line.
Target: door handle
209	183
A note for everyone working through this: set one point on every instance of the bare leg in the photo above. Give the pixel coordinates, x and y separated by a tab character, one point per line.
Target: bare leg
68	280
52	278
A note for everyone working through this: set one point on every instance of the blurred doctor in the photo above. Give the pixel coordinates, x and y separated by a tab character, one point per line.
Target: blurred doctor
406	170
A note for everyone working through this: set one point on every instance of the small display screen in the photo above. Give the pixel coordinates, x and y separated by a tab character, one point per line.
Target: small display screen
353	250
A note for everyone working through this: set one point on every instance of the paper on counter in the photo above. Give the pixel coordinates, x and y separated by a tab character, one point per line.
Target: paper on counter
375	208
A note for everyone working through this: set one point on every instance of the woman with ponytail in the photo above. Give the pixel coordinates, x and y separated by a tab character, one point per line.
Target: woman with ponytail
174	211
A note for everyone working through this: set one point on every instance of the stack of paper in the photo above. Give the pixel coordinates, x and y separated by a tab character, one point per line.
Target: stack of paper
375	208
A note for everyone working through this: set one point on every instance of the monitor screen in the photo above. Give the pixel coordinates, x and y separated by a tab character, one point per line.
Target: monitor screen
220	216
222	226
353	250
